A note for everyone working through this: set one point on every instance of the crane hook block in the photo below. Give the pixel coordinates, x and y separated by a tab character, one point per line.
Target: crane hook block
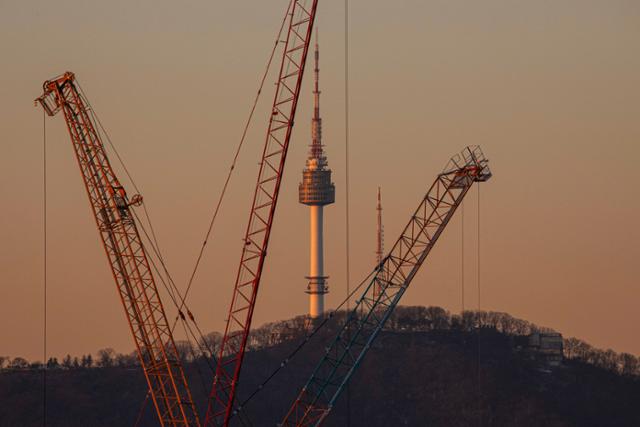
136	200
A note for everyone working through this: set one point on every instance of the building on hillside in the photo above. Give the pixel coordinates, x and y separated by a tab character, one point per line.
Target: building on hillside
543	347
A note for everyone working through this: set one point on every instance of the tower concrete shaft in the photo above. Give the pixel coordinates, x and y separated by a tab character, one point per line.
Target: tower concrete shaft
316	190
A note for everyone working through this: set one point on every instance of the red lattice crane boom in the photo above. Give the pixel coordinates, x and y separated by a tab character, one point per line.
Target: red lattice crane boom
126	253
301	17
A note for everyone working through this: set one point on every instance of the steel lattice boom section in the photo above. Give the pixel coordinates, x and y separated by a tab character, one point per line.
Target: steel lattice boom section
301	18
393	276
127	257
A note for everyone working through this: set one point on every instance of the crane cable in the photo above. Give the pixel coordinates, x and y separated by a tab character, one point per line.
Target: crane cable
283	364
462	259
346	153
172	288
236	155
44	224
478	246
151	236
202	342
479	319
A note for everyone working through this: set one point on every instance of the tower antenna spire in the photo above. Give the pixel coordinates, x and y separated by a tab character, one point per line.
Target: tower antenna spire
316	123
379	239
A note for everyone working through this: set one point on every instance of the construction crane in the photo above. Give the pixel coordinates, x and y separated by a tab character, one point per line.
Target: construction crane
301	18
126	253
393	276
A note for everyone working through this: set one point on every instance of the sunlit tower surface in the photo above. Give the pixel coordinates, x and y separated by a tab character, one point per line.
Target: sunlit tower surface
316	190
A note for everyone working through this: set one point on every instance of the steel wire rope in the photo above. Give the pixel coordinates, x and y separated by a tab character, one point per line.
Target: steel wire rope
283	364
187	330
44	225
152	237
202	342
259	195
347	182
96	120
462	256
236	155
172	288
286	70
153	241
182	319
479	320
189	334
218	205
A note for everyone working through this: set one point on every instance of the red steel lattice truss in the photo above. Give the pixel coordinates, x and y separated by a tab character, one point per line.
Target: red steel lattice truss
301	18
127	257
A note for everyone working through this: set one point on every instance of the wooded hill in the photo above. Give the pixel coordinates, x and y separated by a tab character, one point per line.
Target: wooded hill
428	368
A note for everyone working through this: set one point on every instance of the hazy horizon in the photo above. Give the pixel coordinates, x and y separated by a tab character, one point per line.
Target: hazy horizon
550	90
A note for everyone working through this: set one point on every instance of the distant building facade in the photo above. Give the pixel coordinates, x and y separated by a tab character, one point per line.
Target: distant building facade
544	347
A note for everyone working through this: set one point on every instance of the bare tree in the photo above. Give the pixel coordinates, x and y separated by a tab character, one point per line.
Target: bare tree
86	361
184	350
211	343
19	363
67	362
630	364
106	357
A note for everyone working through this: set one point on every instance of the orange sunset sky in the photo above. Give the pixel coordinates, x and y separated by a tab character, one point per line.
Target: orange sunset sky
549	89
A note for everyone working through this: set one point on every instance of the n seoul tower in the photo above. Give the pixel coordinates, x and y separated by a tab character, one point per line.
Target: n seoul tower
316	191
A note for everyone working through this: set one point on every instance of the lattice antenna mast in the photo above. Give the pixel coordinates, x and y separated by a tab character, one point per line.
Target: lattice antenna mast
316	122
126	254
379	236
302	15
394	275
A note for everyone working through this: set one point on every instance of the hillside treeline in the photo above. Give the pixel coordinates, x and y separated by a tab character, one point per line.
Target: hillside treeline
404	319
427	368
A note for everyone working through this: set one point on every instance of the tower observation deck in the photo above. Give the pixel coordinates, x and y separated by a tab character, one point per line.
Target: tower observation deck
316	190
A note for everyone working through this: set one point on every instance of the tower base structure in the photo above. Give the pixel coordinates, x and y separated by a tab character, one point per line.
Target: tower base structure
316	289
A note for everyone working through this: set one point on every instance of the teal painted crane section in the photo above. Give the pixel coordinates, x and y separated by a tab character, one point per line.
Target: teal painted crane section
393	276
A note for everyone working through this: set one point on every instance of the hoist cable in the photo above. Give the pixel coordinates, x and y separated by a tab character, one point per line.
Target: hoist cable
479	306
180	316
151	235
171	288
44	224
301	344
479	320
462	256
235	158
346	153
202	342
